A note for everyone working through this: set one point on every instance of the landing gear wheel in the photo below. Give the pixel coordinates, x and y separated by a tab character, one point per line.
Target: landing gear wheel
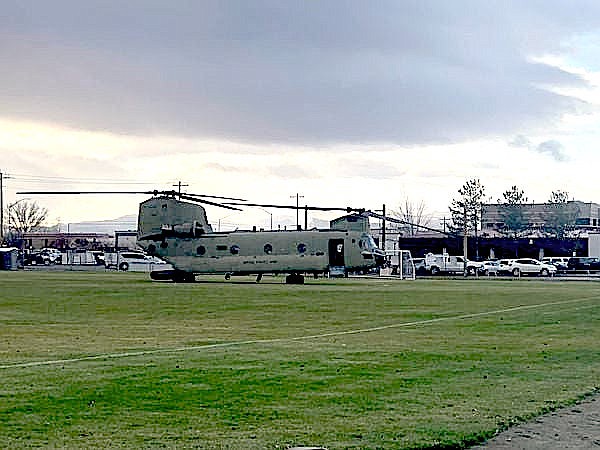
228	276
181	276
161	275
516	272
294	278
124	266
544	273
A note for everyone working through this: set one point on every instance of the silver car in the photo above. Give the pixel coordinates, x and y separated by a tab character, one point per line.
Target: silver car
530	266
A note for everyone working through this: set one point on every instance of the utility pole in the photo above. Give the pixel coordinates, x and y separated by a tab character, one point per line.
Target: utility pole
179	185
465	240
298	197
383	228
2	178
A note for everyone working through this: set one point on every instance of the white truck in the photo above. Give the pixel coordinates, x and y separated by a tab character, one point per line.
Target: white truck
444	263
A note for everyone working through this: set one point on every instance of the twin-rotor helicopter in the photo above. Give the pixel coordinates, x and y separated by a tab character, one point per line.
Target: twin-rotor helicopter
173	226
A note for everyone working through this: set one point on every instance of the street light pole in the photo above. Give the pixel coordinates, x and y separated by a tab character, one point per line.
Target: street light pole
219	222
271	214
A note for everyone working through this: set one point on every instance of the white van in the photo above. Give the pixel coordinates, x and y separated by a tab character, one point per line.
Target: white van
134	261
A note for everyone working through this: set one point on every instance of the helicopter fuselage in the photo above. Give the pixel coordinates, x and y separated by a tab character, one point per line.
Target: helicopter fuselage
179	233
254	252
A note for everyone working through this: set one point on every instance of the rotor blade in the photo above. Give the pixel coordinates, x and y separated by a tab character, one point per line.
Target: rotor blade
213	196
405	222
310	208
153	192
208	202
93	192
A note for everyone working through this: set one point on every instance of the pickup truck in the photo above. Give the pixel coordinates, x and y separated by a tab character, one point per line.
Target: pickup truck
444	263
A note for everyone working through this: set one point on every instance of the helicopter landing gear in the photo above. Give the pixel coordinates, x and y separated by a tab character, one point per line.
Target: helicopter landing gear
294	278
162	275
181	276
228	276
259	277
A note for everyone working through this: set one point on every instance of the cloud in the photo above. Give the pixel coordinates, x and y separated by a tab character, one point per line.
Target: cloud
316	73
552	147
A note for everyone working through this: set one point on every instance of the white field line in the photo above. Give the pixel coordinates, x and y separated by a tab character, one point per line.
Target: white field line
288	339
578	308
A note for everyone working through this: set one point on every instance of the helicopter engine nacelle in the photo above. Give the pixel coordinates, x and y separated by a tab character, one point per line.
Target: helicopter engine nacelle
184	230
166	216
352	222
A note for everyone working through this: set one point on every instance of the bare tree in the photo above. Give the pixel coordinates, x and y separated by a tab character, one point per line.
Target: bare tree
414	215
24	216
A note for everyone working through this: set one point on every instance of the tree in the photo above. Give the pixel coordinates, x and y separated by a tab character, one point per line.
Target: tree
562	214
558	197
467	209
414	215
24	216
511	211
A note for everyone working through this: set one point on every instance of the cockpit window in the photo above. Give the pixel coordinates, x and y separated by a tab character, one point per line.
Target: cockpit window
368	242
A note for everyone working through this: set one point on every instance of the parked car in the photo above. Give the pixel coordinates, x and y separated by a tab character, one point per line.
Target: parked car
583	263
530	266
504	267
489	268
54	255
98	257
35	258
560	262
474	267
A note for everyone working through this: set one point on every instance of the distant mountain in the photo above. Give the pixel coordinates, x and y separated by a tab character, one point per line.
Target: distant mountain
124	223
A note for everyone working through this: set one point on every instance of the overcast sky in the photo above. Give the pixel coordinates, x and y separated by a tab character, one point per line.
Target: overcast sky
344	102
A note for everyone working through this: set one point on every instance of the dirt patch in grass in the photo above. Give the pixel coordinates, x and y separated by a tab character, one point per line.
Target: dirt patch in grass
575	427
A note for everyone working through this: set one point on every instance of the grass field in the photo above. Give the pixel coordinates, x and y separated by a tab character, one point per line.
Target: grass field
112	360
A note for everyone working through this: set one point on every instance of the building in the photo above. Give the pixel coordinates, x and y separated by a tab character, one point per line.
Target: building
37	240
88	241
537	217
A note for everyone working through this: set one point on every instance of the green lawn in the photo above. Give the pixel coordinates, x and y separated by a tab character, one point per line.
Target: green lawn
112	360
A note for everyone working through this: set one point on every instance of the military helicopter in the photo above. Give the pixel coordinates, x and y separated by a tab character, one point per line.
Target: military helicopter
173	226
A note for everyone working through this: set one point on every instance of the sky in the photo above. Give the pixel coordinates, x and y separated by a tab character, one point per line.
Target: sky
343	103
